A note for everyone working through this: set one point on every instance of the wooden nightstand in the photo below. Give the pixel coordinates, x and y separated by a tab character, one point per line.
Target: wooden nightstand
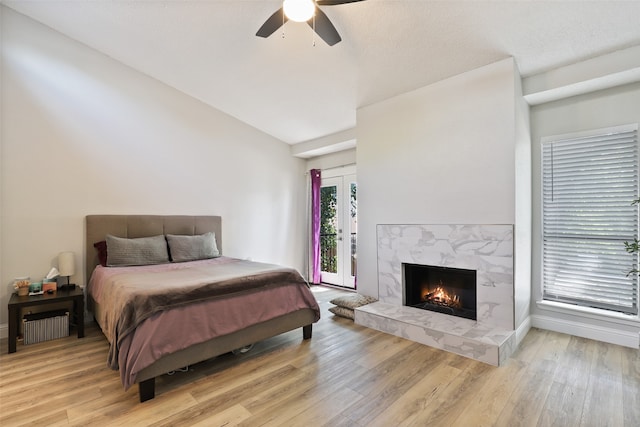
17	302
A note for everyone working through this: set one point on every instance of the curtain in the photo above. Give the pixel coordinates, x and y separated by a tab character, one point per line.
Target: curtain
316	180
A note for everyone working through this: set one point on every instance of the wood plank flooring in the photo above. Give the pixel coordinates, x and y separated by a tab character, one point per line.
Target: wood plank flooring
346	375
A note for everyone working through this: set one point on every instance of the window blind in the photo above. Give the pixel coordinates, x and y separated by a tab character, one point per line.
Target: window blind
589	182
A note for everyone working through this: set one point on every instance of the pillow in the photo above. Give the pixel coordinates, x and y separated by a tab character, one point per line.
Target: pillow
142	251
101	246
343	312
352	301
192	248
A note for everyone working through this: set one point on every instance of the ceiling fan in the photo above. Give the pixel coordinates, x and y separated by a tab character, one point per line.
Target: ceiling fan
305	11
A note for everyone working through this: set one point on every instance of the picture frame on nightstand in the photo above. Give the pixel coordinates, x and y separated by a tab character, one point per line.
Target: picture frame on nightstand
35	288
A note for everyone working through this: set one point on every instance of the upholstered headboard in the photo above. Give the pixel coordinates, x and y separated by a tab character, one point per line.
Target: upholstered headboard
133	226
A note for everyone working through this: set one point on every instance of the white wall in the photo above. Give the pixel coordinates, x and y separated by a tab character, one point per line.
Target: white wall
333	160
84	134
611	107
442	154
2	183
522	241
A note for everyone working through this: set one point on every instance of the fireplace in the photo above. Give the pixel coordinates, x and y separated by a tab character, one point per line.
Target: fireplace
441	289
486	249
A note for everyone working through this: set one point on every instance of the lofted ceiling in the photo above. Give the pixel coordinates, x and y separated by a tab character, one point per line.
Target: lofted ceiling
296	91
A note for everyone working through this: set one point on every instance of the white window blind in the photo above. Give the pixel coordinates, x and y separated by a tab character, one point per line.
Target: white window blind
589	182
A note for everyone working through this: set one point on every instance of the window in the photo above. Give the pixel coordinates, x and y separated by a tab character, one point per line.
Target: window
589	182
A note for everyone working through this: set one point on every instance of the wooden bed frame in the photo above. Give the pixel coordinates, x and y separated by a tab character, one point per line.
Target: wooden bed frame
134	226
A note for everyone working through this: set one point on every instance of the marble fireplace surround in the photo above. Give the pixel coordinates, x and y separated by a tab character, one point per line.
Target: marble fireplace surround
486	248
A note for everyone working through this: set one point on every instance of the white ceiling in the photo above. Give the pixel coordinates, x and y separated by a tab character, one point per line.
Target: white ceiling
298	92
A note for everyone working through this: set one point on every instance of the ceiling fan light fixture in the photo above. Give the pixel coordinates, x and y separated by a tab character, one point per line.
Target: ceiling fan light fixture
299	10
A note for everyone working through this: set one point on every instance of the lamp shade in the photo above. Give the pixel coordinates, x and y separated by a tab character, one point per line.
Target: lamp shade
66	263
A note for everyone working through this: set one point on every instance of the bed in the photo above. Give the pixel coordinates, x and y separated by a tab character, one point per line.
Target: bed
150	324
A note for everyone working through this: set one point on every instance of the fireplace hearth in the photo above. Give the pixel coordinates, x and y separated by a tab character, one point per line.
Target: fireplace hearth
441	289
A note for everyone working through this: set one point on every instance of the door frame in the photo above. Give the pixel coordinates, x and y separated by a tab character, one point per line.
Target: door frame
342	175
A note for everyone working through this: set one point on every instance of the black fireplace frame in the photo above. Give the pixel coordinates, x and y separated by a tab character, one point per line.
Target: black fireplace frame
413	298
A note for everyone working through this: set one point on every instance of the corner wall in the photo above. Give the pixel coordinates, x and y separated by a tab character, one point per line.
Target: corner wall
523	214
442	154
3	302
605	108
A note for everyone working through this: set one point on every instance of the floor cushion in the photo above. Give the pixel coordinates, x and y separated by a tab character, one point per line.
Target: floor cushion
352	301
345	305
343	312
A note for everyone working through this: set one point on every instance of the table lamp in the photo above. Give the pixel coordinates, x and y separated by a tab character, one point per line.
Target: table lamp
67	267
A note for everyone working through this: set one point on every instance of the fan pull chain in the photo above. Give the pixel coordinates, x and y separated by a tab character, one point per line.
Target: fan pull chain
314	30
282	23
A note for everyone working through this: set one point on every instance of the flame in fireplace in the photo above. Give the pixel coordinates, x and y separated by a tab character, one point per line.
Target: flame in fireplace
440	296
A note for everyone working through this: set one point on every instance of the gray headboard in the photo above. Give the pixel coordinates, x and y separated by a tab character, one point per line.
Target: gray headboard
132	226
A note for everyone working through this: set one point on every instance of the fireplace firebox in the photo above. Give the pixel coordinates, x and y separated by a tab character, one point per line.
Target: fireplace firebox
440	289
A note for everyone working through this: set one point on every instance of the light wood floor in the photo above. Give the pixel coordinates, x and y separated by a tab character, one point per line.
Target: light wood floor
346	375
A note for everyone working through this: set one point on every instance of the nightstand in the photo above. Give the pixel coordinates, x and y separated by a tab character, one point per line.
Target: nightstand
17	302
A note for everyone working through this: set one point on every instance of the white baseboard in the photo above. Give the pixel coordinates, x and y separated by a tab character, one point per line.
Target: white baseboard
598	333
523	330
593	332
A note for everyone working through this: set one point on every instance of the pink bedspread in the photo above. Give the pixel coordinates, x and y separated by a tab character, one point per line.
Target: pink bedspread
172	328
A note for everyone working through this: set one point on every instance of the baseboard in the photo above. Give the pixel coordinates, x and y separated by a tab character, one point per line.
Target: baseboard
523	330
598	333
593	332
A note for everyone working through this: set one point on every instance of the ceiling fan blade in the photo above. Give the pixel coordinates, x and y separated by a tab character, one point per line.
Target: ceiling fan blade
274	22
334	2
324	28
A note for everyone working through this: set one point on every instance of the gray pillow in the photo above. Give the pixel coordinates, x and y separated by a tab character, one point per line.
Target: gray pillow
192	248
142	251
352	301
